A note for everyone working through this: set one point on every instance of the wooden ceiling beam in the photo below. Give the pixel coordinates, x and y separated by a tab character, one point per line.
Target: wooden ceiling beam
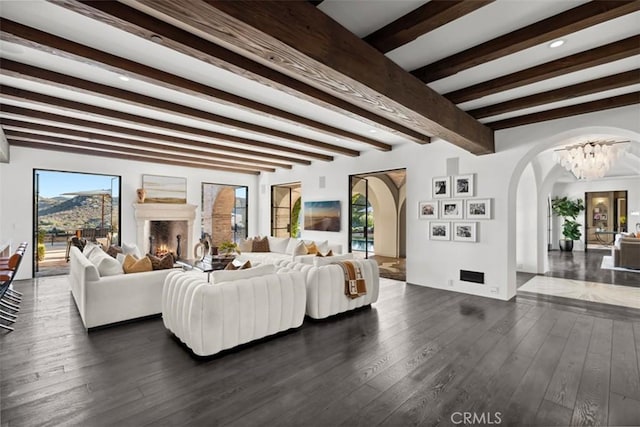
420	21
568	22
61	146
602	84
185	144
98	113
41	75
20	34
572	110
222	160
297	39
128	19
600	55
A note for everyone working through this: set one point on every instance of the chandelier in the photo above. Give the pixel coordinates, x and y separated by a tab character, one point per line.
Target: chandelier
590	160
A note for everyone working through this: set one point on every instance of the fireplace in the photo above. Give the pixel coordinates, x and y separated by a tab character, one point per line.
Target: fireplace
159	225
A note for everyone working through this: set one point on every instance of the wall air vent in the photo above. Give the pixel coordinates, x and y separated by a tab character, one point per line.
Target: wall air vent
472	276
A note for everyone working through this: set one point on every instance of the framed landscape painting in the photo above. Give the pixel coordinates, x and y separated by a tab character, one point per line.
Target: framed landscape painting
464	231
441	187
451	209
428	210
164	189
322	216
439	230
478	209
463	186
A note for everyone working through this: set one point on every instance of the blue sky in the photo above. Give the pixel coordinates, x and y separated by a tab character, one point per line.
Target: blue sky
53	184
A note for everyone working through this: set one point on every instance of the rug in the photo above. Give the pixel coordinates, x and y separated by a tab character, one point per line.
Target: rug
607	264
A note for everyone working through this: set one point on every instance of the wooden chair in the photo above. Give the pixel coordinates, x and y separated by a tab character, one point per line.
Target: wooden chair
10	298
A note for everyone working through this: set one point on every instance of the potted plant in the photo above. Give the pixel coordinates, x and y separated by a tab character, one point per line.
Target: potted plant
228	248
569	210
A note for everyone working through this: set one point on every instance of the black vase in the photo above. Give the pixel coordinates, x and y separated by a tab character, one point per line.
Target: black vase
566	245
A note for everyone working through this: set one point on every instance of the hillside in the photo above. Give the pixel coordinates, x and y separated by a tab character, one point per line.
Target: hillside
66	214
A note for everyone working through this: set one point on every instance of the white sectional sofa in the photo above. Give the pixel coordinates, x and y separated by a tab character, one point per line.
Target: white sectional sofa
106	299
325	286
211	317
282	249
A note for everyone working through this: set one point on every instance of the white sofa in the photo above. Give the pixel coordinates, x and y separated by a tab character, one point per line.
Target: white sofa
282	249
114	298
325	286
211	317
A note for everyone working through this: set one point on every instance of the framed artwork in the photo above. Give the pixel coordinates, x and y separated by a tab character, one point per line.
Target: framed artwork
164	189
451	209
441	187
439	230
464	186
478	209
322	216
464	231
428	210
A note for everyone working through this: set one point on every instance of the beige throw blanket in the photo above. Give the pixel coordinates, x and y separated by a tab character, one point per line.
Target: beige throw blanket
354	283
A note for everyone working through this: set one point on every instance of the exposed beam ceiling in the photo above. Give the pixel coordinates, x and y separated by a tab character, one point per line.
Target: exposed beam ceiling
573	110
568	22
98	113
425	18
140	24
580	61
40	40
108	151
297	39
627	78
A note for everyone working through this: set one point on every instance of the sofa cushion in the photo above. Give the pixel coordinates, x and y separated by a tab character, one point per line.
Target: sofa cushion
238	265
131	249
260	245
106	265
78	243
330	253
133	265
163	263
114	250
245	245
300	249
291	245
220	276
90	247
278	244
320	261
312	249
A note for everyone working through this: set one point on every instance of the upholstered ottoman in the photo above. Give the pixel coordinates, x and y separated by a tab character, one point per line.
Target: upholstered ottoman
234	309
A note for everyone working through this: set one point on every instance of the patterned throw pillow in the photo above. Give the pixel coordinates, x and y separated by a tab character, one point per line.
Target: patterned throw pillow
232	266
260	245
330	253
163	263
311	248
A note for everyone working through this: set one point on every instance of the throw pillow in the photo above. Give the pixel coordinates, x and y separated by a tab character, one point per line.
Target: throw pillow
106	265
291	246
311	248
260	245
90	247
317	261
278	244
78	243
132	265
245	245
300	249
330	253
323	246
114	250
131	249
238	265
163	263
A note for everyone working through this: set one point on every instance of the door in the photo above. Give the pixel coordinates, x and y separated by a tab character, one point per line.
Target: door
36	221
281	211
360	218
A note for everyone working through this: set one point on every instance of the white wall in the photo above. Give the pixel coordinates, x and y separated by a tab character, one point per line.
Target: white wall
16	190
437	263
527	223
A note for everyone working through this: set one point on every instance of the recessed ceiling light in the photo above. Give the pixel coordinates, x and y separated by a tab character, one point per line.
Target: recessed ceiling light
556	43
123	78
373	130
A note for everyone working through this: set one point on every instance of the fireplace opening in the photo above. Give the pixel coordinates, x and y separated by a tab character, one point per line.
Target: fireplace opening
168	237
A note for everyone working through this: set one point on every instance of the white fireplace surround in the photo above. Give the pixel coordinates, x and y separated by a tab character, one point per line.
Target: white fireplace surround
146	212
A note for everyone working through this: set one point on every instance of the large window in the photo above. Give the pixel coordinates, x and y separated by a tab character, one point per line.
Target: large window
68	204
224	212
285	210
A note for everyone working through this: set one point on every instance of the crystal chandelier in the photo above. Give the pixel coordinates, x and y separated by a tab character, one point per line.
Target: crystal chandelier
590	160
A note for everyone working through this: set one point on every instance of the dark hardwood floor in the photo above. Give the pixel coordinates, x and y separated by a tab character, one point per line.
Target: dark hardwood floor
420	356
